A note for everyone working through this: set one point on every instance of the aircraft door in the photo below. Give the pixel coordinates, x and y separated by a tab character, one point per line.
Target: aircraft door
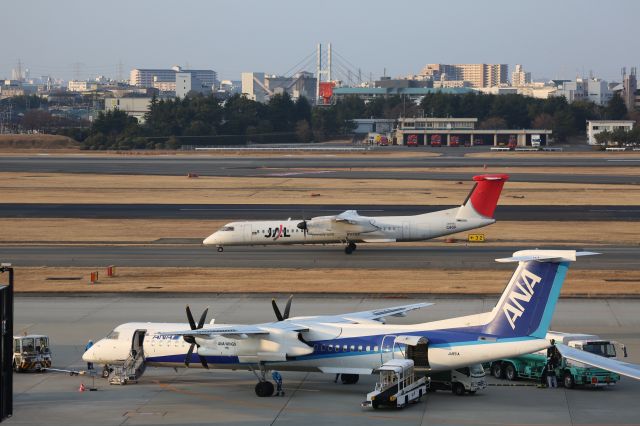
406	231
137	343
386	348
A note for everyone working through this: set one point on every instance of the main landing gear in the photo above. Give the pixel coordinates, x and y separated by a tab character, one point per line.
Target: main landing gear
264	387
350	248
220	249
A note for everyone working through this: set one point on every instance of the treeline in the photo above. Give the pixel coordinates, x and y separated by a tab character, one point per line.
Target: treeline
208	120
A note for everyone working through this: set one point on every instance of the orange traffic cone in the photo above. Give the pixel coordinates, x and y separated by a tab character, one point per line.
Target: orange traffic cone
81	388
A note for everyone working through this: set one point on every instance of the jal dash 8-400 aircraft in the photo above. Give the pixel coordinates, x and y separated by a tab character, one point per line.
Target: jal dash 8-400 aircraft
360	342
350	228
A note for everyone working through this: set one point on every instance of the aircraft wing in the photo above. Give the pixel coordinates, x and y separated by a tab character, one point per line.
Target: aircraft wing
373	315
609	364
228	331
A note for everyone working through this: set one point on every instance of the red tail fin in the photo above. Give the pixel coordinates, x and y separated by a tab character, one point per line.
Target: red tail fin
484	195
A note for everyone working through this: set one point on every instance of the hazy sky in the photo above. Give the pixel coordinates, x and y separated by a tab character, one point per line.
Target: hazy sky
551	38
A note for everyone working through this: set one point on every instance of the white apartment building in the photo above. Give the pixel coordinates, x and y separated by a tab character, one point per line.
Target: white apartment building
520	77
81	86
135	107
145	77
478	75
596	126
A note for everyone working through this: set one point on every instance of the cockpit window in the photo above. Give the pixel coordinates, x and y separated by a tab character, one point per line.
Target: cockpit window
226	228
113	335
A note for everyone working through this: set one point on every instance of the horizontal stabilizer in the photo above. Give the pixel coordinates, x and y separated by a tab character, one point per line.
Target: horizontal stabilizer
545	256
609	364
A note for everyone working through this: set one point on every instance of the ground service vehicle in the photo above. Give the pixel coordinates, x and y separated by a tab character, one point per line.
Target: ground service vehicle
513	142
569	373
397	386
412	140
454	141
31	353
436	140
536	141
466	379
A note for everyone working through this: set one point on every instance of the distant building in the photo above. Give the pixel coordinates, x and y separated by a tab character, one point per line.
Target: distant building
135	107
260	87
478	75
594	90
81	86
597	126
145	77
187	82
410	94
630	89
520	77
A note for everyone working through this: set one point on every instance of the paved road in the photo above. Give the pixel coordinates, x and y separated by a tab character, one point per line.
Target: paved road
332	256
196	397
322	166
281	211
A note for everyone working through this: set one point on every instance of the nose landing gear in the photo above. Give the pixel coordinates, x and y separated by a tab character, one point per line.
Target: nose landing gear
264	389
220	249
350	248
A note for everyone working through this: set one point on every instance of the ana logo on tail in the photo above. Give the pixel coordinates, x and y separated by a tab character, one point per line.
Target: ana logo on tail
525	283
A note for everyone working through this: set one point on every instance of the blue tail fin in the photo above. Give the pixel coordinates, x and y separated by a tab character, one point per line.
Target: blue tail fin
527	303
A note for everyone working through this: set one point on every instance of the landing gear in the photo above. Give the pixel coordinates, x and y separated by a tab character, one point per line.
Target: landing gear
264	389
220	249
349	379
106	371
350	248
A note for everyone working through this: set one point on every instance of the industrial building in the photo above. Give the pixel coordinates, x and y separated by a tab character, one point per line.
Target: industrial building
145	77
597	126
135	107
593	89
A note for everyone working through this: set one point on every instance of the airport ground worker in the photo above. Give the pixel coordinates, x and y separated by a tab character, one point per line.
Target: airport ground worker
86	348
277	378
550	368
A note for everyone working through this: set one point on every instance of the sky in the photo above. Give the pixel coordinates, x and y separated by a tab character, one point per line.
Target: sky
551	38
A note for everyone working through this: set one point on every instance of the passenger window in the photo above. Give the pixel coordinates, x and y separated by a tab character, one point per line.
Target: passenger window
330	348
368	348
353	348
360	348
375	349
344	348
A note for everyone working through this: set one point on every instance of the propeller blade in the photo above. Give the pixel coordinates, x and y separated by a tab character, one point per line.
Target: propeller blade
192	323
189	339
187	359
203	361
203	317
287	308
276	310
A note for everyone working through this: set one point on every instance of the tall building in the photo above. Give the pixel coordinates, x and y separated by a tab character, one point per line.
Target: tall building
145	77
520	77
630	87
259	87
478	75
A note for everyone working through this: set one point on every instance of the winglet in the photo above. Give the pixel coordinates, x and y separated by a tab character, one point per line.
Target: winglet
545	256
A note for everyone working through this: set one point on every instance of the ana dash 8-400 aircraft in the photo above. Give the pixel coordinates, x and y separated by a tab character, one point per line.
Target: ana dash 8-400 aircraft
360	342
350	228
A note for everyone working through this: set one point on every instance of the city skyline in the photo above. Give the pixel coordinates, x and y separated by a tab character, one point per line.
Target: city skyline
67	41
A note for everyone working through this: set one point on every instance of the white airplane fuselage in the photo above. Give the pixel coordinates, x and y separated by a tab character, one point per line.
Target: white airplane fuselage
386	229
343	348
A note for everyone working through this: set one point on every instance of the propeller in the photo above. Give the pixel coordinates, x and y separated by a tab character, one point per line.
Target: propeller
303	225
287	309
192	339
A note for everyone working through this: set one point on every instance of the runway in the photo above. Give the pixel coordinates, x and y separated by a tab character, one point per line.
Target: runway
197	397
326	166
366	256
239	212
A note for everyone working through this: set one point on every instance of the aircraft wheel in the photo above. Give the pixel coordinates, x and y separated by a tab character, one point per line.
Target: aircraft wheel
496	370
220	249
348	250
353	246
264	389
105	372
510	372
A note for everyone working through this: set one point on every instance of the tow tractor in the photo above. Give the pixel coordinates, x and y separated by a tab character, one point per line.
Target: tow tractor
31	353
397	386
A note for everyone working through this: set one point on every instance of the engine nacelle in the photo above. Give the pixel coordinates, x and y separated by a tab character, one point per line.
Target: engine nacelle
276	346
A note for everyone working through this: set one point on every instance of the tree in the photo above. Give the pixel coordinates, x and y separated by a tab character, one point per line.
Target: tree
303	131
493	123
615	109
542	121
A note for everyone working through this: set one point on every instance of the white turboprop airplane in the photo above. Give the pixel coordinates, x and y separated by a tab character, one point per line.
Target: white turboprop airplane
359	342
350	228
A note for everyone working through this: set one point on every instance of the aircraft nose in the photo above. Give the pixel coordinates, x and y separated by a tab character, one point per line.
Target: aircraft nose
210	240
89	356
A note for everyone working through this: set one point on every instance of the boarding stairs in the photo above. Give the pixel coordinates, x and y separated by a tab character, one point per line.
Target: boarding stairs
129	371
